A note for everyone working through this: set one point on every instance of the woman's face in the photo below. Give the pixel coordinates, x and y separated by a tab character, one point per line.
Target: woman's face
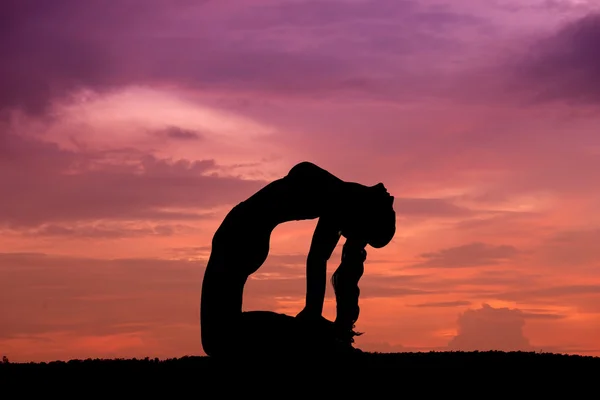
382	228
375	224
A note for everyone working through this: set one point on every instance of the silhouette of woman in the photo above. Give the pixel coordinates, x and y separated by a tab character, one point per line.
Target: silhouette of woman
364	215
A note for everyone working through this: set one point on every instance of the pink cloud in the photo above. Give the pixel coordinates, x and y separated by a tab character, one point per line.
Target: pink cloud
48	184
457	303
107	231
489	328
258	48
469	255
177	133
563	67
553	293
570	248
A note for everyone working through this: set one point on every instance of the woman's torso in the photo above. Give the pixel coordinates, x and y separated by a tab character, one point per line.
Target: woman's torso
242	241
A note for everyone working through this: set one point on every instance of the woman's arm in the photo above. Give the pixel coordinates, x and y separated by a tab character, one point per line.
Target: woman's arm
324	241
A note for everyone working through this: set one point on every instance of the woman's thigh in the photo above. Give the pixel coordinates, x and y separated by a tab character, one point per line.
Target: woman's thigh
220	309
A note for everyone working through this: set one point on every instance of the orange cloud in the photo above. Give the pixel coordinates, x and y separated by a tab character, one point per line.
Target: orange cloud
490	328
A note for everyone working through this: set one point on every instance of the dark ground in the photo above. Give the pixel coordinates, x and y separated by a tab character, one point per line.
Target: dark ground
485	373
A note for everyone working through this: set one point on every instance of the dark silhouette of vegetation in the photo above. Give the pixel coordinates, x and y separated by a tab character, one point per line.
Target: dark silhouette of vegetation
360	375
101	369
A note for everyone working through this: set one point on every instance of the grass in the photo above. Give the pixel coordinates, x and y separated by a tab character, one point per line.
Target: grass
394	371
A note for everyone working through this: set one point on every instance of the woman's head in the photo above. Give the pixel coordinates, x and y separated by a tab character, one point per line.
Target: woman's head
373	218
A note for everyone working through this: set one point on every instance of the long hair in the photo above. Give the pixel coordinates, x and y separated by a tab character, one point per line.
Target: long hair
345	284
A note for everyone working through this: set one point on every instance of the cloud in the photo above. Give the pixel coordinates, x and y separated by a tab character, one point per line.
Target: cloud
489	328
52	185
553	292
503	224
275	279
374	285
564	66
108	231
60	292
91	296
97	38
190	251
470	255
560	6
178	133
91	307
542	315
512	277
469	284
263	47
442	304
570	248
423	207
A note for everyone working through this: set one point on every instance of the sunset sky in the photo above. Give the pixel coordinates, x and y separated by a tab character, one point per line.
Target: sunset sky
129	128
